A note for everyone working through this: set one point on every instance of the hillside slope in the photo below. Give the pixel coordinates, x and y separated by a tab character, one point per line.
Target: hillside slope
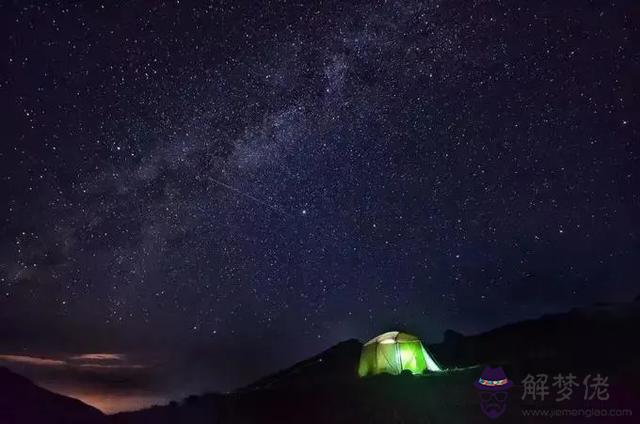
22	402
325	389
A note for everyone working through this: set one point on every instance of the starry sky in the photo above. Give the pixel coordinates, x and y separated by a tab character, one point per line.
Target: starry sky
196	193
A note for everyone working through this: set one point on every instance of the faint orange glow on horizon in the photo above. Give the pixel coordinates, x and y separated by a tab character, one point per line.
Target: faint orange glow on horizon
109	402
112	403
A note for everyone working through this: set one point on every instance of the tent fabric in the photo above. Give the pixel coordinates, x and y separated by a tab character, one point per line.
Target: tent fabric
393	353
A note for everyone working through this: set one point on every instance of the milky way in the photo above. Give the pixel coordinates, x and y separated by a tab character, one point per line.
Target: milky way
190	183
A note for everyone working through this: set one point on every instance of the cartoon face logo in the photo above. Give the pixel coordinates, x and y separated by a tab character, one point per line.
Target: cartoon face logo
493	386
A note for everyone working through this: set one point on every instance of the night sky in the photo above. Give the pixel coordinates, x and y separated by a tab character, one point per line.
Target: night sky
195	194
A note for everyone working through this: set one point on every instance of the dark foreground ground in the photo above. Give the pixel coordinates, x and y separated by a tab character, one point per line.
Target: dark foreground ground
447	398
585	342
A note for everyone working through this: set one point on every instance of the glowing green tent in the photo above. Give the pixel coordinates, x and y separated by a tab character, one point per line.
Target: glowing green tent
394	352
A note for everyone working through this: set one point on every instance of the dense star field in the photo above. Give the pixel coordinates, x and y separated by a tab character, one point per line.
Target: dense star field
207	191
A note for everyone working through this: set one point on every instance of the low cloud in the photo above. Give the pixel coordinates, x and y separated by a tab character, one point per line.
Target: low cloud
99	357
85	360
32	360
109	381
112	366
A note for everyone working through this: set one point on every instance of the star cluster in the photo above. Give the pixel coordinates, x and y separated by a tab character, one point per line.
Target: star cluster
200	179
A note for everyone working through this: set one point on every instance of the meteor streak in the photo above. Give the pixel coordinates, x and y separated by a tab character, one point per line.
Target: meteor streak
250	197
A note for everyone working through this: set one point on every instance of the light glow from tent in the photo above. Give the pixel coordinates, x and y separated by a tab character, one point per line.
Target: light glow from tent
393	353
408	359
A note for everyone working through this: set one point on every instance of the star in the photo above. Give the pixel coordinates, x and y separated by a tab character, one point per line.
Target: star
292	172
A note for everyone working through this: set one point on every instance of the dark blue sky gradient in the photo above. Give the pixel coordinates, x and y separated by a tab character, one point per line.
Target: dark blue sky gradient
192	182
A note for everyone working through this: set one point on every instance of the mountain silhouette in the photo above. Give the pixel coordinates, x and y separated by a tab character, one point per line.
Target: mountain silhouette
583	338
336	364
325	388
22	402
